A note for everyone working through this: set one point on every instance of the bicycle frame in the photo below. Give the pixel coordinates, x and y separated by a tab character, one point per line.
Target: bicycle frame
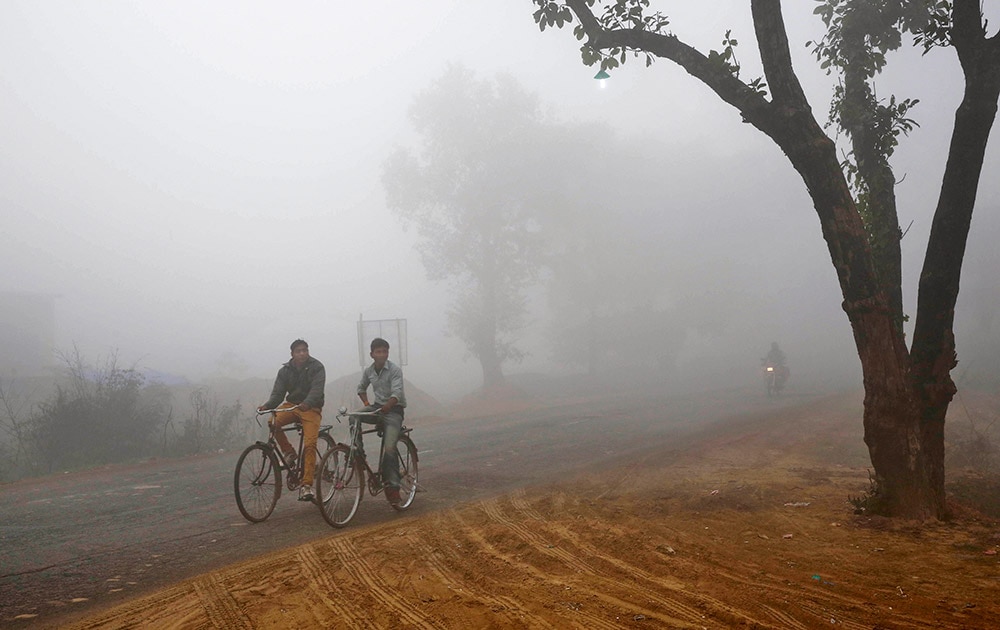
357	433
294	473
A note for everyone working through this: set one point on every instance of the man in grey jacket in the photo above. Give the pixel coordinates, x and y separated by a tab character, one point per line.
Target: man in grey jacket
299	387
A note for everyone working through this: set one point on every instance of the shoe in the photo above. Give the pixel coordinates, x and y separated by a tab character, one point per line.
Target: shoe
392	494
306	493
290	458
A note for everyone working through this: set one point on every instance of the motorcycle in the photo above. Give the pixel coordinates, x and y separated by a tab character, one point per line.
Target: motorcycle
775	377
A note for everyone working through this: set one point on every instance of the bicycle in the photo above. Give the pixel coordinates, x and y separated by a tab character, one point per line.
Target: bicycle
257	480
341	478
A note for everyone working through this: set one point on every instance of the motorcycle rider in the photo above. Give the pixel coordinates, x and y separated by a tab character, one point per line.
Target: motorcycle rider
776	359
775	356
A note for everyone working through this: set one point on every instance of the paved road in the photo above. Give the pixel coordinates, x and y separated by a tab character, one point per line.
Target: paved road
106	535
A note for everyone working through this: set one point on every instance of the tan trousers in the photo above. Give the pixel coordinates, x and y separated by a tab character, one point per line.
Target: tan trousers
310	421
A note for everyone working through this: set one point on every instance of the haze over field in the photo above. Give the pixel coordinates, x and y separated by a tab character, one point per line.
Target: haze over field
199	184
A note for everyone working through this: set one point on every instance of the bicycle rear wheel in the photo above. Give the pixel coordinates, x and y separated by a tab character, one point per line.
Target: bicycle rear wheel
407	473
340	483
257	482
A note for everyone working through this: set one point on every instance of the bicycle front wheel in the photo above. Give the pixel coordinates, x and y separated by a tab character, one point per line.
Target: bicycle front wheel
339	485
407	472
257	483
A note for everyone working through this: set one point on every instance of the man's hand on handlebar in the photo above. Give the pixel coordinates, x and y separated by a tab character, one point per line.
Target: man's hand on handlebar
264	409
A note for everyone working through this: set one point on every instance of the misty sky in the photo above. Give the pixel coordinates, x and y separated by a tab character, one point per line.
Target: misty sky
198	183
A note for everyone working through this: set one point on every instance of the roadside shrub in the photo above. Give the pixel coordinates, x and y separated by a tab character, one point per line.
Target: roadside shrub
101	414
209	425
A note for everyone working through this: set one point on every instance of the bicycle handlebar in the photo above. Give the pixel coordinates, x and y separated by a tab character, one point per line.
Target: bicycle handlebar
261	412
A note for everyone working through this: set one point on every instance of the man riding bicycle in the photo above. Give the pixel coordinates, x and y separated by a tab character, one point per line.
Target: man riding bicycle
386	380
300	383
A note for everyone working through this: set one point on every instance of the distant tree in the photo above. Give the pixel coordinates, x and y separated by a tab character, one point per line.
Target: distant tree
907	390
467	194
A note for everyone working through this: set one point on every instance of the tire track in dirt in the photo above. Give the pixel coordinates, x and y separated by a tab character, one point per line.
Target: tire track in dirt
506	607
322	583
783	619
827	597
830	618
380	591
223	612
492	509
124	616
518	499
677	607
716	607
701	600
592	620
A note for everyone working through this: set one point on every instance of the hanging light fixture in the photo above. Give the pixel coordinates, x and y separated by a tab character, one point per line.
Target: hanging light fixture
603	77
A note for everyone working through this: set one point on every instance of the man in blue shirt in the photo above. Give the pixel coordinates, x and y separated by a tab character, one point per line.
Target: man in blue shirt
386	381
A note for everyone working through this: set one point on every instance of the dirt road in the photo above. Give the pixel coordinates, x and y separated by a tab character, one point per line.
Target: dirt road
78	542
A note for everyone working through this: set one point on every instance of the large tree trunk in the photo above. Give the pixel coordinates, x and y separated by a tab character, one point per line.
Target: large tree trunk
906	453
492	372
486	342
486	352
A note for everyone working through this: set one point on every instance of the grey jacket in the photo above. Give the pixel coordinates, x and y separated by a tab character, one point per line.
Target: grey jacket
305	384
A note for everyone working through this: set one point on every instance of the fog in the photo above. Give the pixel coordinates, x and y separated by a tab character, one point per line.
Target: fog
199	184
